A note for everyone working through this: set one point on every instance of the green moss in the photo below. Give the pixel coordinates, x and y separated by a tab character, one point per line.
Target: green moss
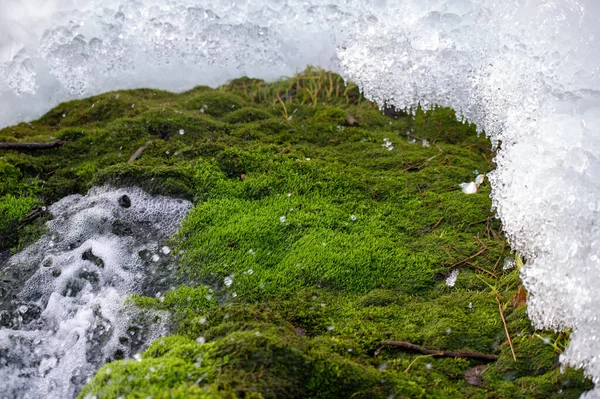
309	242
214	103
246	114
334	116
12	211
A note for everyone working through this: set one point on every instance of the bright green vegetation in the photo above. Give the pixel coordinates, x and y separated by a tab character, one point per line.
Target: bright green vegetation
308	245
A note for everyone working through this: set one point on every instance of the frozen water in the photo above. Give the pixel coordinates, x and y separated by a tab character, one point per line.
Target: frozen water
526	71
52	50
468	188
63	313
471	187
451	279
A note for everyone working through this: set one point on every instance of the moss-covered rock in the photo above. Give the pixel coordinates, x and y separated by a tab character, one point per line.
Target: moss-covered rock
311	241
214	103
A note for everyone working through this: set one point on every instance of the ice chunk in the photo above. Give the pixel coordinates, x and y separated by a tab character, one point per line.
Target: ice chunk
451	279
471	188
468	188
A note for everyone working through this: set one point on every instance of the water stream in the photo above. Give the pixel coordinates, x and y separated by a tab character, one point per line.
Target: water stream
63	312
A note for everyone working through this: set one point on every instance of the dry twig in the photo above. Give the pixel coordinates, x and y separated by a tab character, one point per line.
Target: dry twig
437	353
469	258
139	151
31	146
512	349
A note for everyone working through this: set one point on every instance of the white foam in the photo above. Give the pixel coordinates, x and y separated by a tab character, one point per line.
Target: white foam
99	256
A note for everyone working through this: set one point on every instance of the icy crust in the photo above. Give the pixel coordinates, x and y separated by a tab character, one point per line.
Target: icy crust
69	317
527	73
72	48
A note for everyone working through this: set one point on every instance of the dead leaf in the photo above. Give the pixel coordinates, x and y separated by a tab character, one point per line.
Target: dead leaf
351	120
473	376
520	298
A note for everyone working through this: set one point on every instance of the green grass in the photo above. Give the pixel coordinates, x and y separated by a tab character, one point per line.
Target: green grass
308	244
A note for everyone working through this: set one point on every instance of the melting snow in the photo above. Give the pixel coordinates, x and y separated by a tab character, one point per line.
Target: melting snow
451	279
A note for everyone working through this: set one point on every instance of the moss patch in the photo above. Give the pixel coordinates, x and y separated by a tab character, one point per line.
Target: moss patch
310	242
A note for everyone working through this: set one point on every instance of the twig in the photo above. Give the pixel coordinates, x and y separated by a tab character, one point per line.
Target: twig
139	151
414	361
482	250
447	252
31	216
512	349
500	257
482	270
480	221
437	224
437	353
418	166
31	146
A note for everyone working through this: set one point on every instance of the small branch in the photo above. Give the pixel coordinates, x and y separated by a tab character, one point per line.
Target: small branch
31	146
482	270
414	361
500	257
139	151
512	349
31	216
480	221
437	353
437	224
469	258
418	166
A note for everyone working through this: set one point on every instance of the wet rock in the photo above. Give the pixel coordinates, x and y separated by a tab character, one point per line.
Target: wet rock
124	201
89	256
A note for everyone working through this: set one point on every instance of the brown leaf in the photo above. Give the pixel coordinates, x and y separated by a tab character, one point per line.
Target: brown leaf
520	298
243	176
351	120
473	376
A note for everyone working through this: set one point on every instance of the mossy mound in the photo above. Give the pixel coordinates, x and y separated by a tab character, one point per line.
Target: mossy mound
321	228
